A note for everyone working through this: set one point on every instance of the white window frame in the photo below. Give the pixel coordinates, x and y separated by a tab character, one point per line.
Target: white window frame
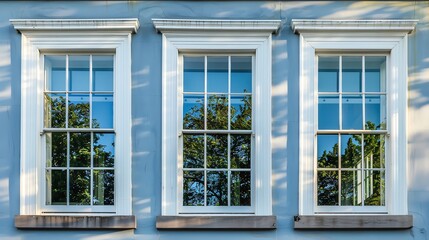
75	35
359	36
211	36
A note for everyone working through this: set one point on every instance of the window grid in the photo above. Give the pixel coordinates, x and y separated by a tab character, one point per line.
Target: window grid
228	132
68	130
362	166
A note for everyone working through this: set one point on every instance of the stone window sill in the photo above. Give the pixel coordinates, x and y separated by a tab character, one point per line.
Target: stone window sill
74	222
353	222
216	222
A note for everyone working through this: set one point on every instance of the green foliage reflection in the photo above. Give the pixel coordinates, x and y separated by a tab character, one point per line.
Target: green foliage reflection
80	151
362	178
216	183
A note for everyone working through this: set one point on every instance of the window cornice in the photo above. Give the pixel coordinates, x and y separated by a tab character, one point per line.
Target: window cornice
125	24
314	25
164	25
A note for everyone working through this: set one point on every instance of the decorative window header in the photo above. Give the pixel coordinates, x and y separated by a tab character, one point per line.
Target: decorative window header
125	24
303	25
216	24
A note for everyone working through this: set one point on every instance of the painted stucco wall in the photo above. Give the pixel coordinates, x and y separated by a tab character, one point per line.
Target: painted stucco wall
146	110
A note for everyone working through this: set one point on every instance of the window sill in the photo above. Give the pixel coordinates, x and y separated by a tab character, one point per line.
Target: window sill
75	222
216	222
354	222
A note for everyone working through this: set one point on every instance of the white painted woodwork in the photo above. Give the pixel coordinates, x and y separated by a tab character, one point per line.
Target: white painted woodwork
364	36
164	25
225	36
50	36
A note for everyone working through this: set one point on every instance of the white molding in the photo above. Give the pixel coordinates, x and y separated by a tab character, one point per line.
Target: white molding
304	25
394	42
35	43
208	42
164	25
125	24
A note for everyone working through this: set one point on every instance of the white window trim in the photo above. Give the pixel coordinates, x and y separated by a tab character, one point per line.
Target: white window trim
40	36
211	36
347	36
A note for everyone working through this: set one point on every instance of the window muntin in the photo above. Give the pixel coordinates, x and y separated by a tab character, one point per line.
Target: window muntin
351	121
216	145
79	131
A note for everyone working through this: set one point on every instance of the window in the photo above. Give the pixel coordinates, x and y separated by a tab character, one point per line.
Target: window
216	116
216	152
353	98
76	118
351	132
78	131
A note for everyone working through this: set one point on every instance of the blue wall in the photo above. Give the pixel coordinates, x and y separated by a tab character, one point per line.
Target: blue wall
146	110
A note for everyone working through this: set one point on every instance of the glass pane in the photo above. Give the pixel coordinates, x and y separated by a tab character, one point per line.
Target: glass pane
374	150
240	150
193	74
56	187
375	112
79	73
351	151
374	188
104	187
56	149
328	112
217	112
217	74
80	181
55	110
352	112
193	188
193	112
104	149
241	74
102	73
217	151
55	73
78	111
217	188
375	74
80	149
327	151
193	151
351	188
241	112
102	111
328	74
240	189
327	188
352	74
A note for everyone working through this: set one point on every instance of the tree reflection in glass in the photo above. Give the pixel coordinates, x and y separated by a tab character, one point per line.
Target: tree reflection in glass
217	188
327	188
193	188
193	157
240	188
217	112
104	187
217	160
71	155
362	175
